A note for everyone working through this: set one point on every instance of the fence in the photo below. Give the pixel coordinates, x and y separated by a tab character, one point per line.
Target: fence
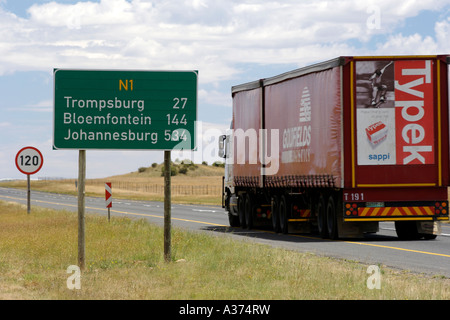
159	189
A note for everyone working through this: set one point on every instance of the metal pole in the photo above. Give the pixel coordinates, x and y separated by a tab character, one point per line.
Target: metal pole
28	194
167	207
81	204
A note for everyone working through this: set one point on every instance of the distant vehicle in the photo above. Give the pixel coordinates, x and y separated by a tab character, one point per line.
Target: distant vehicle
341	145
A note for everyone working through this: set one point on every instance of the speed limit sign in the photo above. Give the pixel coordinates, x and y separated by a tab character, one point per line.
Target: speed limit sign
29	160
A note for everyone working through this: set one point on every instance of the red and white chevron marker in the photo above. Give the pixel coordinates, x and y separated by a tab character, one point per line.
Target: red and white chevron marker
108	194
108	198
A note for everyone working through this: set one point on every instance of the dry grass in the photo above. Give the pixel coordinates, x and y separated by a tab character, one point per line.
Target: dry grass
202	185
124	260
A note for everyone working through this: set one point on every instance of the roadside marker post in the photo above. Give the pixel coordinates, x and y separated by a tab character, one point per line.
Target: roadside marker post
108	198
29	160
124	110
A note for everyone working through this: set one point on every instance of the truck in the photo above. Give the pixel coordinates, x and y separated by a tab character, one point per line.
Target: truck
339	146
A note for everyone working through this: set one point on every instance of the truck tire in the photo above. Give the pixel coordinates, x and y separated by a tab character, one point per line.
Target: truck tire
322	217
275	214
241	210
283	214
249	211
233	220
407	230
332	219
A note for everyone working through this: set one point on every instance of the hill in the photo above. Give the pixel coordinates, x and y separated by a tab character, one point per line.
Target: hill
179	169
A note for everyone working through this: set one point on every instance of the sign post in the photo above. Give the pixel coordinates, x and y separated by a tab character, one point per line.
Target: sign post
29	160
125	110
167	207
81	209
108	198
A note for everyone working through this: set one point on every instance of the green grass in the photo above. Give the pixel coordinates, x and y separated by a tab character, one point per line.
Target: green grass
124	260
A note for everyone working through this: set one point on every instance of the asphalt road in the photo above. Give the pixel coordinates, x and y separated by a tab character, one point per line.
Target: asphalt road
422	256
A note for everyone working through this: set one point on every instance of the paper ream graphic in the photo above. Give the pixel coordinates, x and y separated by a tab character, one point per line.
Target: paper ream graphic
376	133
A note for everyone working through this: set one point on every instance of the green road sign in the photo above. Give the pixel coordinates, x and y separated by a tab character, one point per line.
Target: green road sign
127	110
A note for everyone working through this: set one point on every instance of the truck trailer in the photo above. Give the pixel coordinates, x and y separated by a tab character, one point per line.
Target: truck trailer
338	146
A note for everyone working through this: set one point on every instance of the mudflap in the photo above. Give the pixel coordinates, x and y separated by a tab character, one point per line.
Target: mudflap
302	227
429	227
356	229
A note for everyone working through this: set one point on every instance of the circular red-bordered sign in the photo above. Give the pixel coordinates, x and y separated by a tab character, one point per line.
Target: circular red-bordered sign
29	160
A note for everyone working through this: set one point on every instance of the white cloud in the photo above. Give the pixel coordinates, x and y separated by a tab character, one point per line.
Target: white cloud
113	12
405	45
215	97
442	29
418	44
207	35
41	106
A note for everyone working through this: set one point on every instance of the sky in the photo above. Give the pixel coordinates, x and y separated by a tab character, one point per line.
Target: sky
229	42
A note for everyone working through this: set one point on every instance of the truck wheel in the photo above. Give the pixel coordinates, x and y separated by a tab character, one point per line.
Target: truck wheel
241	210
283	214
249	211
275	214
322	217
233	220
331	219
407	230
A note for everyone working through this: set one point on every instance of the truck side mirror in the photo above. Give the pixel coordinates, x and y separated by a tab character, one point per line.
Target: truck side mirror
222	152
